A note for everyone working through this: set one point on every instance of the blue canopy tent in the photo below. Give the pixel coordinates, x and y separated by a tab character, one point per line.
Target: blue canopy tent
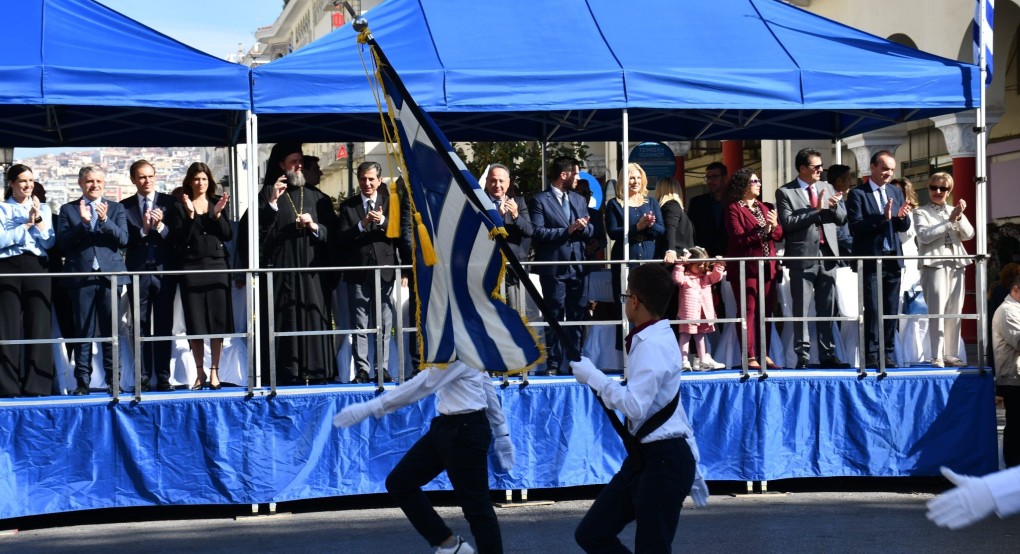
737	69
77	73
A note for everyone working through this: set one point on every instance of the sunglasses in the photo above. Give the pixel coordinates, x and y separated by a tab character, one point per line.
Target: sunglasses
816	167
754	181
939	189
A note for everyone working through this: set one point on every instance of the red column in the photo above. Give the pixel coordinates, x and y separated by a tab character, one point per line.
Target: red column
733	155
678	174
964	188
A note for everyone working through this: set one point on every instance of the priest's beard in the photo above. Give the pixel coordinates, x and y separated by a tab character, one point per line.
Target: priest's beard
295	179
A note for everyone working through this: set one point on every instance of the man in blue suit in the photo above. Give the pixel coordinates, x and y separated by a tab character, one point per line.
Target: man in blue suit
876	213
149	250
90	232
561	228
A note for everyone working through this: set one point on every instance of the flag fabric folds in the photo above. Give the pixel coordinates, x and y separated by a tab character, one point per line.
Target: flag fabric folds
983	33
461	313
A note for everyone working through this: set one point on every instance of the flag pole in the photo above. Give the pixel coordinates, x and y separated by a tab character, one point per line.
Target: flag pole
361	25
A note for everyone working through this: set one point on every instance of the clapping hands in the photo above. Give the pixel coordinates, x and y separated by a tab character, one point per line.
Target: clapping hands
958	210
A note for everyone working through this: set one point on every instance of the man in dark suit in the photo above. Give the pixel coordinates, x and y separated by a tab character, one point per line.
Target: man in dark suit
517	222
90	232
809	213
149	250
562	228
877	212
362	233
707	211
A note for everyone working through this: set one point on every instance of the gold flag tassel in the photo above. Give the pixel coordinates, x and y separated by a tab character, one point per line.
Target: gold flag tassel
428	253
393	217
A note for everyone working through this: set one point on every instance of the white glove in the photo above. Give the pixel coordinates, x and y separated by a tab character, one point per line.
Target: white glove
583	370
970	501
699	489
504	452
356	412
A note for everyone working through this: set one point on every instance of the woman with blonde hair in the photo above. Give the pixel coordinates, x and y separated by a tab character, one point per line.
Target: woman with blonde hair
941	230
645	218
678	230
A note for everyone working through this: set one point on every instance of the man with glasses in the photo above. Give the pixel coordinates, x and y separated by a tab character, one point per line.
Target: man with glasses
877	214
810	213
707	211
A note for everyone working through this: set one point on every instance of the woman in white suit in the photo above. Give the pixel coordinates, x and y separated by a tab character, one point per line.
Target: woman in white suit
941	228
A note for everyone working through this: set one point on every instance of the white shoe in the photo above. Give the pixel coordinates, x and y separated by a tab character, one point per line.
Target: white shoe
937	362
707	365
711	361
462	547
955	362
687	365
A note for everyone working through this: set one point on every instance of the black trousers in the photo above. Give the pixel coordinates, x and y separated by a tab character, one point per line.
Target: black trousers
1011	432
156	317
890	306
649	488
458	444
92	313
566	297
25	369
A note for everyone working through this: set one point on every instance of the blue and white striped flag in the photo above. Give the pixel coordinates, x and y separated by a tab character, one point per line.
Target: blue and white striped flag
461	315
983	32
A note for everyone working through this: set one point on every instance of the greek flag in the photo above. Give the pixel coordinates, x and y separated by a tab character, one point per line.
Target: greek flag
458	265
983	35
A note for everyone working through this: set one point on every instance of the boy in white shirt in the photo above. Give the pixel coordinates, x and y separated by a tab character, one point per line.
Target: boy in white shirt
661	466
457	442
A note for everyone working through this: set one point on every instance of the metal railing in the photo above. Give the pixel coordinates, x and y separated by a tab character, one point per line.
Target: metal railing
400	327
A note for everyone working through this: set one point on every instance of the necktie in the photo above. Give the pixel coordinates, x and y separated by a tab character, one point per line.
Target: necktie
146	210
92	225
369	206
813	198
566	207
887	241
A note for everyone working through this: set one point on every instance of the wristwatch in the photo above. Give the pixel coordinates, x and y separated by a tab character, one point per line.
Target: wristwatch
38	219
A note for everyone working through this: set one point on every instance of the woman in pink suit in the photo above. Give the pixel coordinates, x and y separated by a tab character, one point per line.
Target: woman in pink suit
752	229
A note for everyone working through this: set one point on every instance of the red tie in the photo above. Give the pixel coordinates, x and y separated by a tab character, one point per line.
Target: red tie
813	198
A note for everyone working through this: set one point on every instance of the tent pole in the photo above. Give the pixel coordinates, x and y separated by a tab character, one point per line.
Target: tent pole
981	196
839	151
622	186
252	282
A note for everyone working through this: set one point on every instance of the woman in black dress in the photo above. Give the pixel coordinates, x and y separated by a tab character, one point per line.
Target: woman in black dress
198	228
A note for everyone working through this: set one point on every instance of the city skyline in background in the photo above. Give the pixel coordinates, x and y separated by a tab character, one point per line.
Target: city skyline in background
223	25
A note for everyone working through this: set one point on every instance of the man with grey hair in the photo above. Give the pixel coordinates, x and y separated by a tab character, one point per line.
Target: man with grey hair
91	230
516	221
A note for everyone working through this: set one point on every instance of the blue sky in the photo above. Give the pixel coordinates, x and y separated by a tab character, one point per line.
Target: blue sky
213	26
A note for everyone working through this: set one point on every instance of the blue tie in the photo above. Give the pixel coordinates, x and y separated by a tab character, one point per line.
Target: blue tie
92	226
566	207
887	240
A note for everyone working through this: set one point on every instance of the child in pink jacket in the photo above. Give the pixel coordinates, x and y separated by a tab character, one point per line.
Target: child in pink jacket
695	277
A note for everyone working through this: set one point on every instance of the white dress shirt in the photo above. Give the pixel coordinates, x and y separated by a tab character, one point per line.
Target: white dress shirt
653	380
459	389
